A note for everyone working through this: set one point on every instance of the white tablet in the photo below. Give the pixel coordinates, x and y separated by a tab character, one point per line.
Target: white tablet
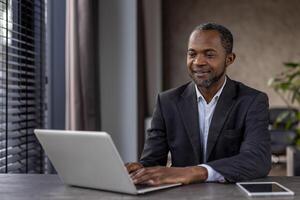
264	189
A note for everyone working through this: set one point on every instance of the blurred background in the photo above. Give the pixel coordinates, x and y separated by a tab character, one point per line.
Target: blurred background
101	64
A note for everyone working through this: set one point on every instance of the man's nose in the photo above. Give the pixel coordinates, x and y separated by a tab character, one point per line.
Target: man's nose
199	60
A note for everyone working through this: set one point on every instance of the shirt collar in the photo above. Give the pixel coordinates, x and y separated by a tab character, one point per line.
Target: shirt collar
200	96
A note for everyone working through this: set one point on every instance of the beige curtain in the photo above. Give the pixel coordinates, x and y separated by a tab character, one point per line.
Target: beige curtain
82	82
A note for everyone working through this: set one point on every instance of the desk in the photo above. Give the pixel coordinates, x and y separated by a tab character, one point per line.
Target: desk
36	186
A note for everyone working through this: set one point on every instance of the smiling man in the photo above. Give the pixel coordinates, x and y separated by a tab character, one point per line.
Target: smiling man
215	128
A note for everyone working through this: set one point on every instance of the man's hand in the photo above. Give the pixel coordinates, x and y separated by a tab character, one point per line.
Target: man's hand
168	175
132	167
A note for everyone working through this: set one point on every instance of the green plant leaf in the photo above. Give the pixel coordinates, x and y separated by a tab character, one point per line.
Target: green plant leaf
298	118
291	64
298	143
284	86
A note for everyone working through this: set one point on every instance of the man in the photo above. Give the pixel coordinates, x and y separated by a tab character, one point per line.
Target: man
216	129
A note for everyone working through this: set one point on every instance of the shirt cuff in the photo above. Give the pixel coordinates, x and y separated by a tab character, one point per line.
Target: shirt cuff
213	175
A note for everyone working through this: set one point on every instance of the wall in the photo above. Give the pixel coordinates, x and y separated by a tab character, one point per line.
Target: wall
266	34
118	73
153	50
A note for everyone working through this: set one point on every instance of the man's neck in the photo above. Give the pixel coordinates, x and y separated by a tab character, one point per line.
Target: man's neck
209	93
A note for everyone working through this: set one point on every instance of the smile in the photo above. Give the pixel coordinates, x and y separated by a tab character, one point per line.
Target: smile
201	73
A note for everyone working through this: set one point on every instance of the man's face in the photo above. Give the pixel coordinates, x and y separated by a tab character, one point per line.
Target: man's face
206	58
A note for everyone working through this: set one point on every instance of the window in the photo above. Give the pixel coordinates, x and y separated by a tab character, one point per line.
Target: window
22	84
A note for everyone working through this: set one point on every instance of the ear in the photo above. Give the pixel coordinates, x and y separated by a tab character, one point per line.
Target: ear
230	59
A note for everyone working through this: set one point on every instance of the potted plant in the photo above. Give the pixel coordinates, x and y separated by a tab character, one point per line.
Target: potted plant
287	86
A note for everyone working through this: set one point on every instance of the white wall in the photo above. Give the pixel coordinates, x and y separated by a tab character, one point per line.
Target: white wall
118	73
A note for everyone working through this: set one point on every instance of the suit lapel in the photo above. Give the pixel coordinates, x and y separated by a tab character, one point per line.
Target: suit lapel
222	109
188	109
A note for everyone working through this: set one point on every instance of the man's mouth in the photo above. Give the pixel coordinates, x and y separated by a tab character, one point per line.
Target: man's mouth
201	73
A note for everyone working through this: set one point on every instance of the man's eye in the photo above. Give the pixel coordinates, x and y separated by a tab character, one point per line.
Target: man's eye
191	54
210	55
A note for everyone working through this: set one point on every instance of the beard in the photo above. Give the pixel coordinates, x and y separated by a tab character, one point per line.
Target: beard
211	79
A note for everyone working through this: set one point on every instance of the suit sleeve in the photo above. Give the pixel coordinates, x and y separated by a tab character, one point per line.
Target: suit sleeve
254	158
156	147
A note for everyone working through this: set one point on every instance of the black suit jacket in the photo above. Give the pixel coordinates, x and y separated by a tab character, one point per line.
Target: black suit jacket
238	145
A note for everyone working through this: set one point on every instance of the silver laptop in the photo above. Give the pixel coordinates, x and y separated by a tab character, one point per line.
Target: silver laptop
89	159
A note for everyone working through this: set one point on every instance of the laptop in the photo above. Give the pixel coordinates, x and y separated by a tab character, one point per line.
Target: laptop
89	159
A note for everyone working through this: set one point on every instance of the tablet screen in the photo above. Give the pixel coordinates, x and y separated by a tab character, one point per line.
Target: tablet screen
266	187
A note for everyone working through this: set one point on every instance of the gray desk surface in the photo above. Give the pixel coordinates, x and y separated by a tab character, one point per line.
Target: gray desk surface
27	186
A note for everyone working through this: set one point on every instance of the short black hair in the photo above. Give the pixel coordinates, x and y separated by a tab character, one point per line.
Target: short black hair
225	34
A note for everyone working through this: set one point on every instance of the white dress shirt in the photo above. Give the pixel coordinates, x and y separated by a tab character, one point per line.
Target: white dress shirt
206	111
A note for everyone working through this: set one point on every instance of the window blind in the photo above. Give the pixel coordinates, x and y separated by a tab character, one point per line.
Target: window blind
22	84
